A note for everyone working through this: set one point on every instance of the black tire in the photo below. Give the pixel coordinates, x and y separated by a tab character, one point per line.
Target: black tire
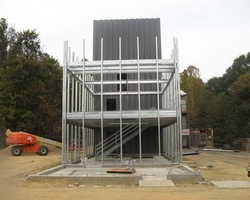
43	151
16	151
248	173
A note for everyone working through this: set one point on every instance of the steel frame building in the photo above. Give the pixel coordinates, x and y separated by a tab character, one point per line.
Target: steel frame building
80	119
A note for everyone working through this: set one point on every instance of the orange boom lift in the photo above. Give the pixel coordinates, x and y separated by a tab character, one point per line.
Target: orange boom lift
27	143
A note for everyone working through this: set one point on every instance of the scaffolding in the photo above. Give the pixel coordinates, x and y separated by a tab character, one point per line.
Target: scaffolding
85	85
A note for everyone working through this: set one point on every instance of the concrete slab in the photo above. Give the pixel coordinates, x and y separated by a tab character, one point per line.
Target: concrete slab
231	184
184	174
156	183
153	176
154	161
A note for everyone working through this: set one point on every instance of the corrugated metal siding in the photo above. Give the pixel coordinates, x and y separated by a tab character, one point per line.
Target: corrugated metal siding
128	30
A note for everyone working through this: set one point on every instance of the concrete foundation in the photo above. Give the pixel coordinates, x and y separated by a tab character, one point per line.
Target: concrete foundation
231	184
184	174
93	180
144	176
156	183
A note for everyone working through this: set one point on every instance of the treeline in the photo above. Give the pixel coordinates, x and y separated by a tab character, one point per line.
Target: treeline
31	91
222	103
30	84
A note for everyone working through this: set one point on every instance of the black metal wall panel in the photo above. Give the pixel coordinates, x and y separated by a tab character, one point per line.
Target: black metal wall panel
149	141
128	29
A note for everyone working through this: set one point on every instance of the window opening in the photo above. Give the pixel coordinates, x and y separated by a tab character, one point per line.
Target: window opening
124	86
111	104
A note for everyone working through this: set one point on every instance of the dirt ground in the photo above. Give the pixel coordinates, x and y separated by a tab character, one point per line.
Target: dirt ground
221	166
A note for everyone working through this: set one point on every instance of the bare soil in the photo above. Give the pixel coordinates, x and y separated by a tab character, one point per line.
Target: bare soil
215	166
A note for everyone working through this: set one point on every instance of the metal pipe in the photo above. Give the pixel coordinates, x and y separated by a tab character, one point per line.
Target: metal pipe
72	110
158	99
79	143
139	97
178	101
75	110
71	142
64	105
102	96
69	54
75	142
83	105
68	126
120	77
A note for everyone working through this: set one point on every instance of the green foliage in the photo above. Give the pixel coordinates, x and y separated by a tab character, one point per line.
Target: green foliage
223	103
31	96
7	37
192	84
31	88
213	85
222	117
240	66
240	91
26	44
3	40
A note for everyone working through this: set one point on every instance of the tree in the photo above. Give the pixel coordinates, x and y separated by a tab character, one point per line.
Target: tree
3	40
213	85
223	103
228	111
31	88
3	56
240	66
222	117
7	37
240	91
27	44
192	84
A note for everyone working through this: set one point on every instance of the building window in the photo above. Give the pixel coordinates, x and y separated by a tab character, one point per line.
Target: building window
124	86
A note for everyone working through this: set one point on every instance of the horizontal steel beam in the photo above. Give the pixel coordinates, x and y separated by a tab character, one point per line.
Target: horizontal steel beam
126	82
125	114
117	71
115	67
126	93
123	62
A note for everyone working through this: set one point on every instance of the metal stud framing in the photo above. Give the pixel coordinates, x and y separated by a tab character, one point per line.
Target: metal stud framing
79	116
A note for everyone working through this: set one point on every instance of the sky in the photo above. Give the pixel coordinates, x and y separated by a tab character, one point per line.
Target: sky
211	33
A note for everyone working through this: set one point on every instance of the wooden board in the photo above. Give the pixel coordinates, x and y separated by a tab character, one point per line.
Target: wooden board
121	170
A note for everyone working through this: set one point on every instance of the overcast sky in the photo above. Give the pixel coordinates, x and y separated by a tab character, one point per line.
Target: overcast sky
211	33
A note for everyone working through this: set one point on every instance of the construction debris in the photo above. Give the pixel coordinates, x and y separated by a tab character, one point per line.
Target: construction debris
127	170
225	150
191	153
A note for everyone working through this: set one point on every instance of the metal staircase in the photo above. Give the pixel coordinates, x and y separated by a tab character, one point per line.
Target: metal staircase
112	142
